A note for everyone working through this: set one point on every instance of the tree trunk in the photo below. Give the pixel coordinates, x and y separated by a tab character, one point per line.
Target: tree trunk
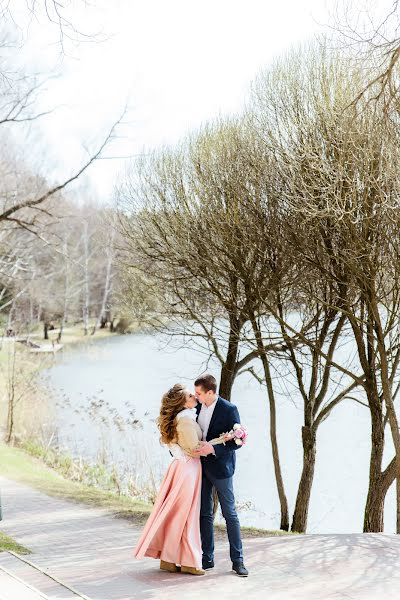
59	337
389	475
387	395
11	382
228	371
31	316
86	288
10	419
300	515
284	525
10	316
228	374
66	290
45	330
374	507
107	283
85	316
275	450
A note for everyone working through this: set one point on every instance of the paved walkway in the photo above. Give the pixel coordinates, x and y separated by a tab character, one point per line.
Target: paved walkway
92	552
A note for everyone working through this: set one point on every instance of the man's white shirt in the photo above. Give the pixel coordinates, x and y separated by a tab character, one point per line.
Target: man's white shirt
204	418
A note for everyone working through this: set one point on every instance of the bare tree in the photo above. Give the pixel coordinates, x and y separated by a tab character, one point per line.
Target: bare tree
174	225
189	225
24	212
58	14
309	344
339	174
109	268
372	35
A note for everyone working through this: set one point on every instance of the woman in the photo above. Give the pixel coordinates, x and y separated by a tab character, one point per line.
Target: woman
172	532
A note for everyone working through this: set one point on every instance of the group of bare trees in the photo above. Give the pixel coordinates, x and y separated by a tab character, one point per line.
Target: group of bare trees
65	275
57	254
271	241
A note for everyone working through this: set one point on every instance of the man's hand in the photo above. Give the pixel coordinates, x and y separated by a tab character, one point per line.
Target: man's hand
205	449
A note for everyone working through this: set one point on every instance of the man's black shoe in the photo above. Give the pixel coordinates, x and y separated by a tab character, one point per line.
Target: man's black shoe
240	569
207	564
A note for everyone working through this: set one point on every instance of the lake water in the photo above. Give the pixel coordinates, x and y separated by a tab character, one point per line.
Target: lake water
126	376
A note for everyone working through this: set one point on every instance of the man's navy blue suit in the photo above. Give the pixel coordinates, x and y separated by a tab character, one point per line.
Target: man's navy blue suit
218	471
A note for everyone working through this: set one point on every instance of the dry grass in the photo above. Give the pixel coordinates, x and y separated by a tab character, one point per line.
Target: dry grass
251	532
31	399
16	464
19	466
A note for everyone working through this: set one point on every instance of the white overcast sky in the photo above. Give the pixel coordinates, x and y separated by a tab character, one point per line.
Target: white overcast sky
177	62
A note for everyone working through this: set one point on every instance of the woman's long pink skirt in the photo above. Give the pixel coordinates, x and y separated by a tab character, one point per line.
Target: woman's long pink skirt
172	532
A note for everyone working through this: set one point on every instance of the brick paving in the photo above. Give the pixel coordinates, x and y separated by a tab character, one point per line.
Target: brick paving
11	589
92	552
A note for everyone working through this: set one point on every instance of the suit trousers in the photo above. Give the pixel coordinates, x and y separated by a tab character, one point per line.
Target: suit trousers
226	499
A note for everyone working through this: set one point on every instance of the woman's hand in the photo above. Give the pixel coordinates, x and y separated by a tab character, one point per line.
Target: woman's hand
204	450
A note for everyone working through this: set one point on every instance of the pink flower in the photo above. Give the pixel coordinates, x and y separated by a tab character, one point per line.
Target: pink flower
238	434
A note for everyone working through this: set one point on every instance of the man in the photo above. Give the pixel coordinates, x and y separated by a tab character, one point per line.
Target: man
216	416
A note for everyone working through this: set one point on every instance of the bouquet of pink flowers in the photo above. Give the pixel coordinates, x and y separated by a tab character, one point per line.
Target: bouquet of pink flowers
238	434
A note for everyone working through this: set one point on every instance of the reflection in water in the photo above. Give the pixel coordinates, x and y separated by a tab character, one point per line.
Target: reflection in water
108	398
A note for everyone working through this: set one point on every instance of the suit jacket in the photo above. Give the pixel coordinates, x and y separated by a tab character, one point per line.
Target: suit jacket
222	465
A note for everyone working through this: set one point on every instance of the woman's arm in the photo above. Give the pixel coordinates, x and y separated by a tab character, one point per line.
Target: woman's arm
187	434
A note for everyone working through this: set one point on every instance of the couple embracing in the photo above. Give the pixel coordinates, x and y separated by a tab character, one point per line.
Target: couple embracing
180	529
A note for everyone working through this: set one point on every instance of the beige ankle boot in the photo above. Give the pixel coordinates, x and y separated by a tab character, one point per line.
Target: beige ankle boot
167	566
192	570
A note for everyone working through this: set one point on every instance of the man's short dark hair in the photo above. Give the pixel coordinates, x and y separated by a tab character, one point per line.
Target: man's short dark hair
207	382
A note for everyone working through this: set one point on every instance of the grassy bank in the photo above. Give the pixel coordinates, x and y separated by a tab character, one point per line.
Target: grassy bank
8	544
16	464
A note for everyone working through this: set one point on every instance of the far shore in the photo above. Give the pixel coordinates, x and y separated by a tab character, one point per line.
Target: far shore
71	335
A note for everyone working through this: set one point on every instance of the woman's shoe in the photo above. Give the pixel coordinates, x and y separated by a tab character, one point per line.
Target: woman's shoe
192	570
167	566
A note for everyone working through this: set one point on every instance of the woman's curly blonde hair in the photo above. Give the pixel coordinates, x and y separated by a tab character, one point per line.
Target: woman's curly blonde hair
171	404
